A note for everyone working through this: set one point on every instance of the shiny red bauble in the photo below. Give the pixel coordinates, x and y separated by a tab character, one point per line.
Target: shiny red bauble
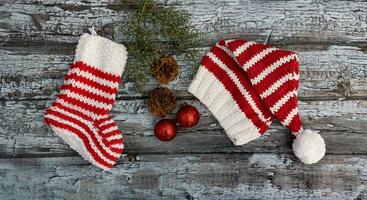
165	130
188	116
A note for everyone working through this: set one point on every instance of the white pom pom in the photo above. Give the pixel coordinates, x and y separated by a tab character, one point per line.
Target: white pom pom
309	147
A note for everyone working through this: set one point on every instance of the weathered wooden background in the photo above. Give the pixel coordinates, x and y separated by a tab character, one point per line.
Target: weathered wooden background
38	39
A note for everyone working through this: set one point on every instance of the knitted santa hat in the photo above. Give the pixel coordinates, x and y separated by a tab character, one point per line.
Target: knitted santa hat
81	113
245	85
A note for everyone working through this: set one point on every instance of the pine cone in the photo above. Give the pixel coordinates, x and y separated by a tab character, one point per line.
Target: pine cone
165	69
161	101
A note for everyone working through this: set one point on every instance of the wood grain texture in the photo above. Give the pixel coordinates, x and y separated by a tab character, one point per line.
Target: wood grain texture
23	133
182	176
37	42
33	21
39	39
332	73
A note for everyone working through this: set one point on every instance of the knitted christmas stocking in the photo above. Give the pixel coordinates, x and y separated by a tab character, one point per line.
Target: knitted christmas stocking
80	115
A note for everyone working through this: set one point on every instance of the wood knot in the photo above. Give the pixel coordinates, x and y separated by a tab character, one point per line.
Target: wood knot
344	88
39	20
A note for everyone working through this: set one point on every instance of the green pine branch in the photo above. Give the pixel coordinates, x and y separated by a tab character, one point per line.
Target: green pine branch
154	29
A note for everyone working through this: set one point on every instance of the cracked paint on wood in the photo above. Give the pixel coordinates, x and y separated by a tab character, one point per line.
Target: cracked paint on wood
187	176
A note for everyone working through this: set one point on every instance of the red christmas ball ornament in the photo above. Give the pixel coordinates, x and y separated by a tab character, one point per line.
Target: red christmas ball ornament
188	116
165	130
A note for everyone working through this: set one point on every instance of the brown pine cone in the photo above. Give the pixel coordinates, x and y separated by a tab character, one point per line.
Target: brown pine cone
165	69
161	101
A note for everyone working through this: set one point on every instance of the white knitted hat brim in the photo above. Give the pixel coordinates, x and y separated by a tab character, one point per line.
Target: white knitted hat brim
210	91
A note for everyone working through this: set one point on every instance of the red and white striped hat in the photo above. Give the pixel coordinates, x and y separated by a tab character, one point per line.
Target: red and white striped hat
246	84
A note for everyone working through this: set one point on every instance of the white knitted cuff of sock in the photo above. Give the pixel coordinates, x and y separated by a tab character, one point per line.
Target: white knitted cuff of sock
102	53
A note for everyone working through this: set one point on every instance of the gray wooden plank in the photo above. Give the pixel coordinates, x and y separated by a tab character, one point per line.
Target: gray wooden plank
326	73
298	21
341	123
186	176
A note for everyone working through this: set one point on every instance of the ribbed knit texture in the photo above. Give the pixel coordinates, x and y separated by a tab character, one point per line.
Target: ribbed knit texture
246	84
81	113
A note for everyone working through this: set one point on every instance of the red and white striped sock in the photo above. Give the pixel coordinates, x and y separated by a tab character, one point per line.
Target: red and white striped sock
81	113
246	84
